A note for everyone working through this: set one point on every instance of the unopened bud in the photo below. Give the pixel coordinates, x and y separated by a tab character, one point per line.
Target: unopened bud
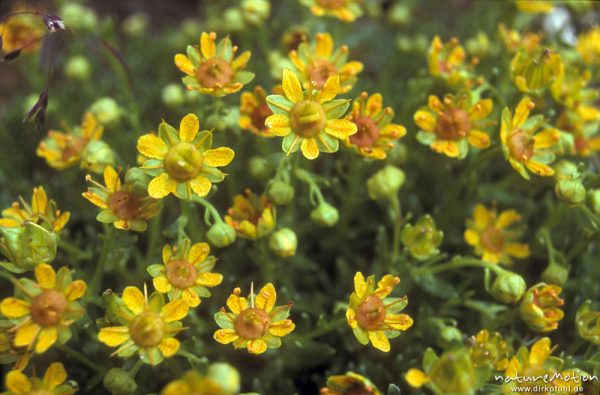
119	382
508	287
283	243
385	183
280	192
221	235
96	156
325	215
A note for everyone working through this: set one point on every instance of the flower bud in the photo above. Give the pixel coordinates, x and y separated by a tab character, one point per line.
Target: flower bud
540	307
571	192
173	95
385	183
28	246
78	68
488	348
221	235
280	192
119	382
555	274
508	287
136	24
422	239
283	243
96	156
259	167
453	372
77	16
399	14
216	122
587	322
566	170
233	18
225	376
256	12
138	181
107	111
325	215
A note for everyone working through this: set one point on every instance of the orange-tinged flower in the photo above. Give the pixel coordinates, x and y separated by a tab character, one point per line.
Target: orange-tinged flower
254	110
447	61
345	10
251	216
349	384
182	163
319	61
450	126
47	309
514	41
120	205
257	326
213	68
491	237
375	133
372	314
186	272
53	382
309	120
523	146
540	307
42	211
488	348
23	31
533	70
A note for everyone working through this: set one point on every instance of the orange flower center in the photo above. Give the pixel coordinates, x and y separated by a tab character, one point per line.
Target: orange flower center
48	307
492	239
453	124
214	73
74	148
183	161
147	330
307	118
125	205
259	115
371	313
181	274
366	134
520	145
332	3
252	323
319	71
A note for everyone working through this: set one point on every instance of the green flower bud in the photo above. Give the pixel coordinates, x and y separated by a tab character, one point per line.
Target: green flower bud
283	243
225	376
256	12
107	111
96	156
454	373
479	45
233	18
587	322
404	43
216	122
280	192
570	192
423	239
77	16
119	382
565	170
173	95
555	274
259	167
221	235
508	287
78	68
325	215
385	183
399	14
138	181
136	25
594	199
449	335
27	246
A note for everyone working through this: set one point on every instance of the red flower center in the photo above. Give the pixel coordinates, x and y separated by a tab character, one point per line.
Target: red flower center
252	323
181	274
125	205
366	134
453	124
520	145
214	73
48	307
371	313
319	71
492	239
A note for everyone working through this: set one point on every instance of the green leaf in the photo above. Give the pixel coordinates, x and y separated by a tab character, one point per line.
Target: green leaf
223	320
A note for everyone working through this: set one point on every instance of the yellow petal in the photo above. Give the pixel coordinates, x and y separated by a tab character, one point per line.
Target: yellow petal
386	285
236	303
134	300
75	290
309	148
507	218
114	336
218	157
209	279
174	311
188	127
471	237
161	284
446	147
169	347
434	103
360	285
539	351
241	61
425	120
226	336
278	124
481	215
351	318
45	276
184	64
17	382
490	256
281	328
191	297
478	139
398	322
46	339
517	250
374	104
340	128
39	200
207	45
161	186
266	298
416	378
256	346
111	179
55	375
152	146
330	89
539	168
201	186
291	86
546	138
26	334
379	341
14	308
481	110
522	112
324	45
198	253
166	253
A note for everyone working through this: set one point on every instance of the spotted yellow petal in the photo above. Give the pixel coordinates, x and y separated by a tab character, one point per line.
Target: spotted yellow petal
17	382
425	120
374	104
198	253
45	276
330	89
257	346
191	297
281	328
46	339
162	186
111	179
221	156
174	311
522	112
386	285
379	341
481	110
546	139
278	124
478	139
309	148
539	168
114	336
188	127
152	146
265	299
26	334
169	347
134	300
207	45
446	147
291	86
236	303
55	375
184	64
14	308
324	45
226	336
540	351
161	284
75	290
340	128
201	186
351	318
209	279
398	322
360	285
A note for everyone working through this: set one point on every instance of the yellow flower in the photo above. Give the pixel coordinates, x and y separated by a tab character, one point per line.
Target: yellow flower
309	120
251	216
535	69
186	272
513	41
371	314
318	61
120	205
345	10
220	379
375	130
523	146
148	326
256	328
447	61
450	126
490	237
53	383
23	31
41	211
586	140
588	46
348	384
540	307
182	163
9	353
212	68
63	150
487	348
254	110
47	310
534	6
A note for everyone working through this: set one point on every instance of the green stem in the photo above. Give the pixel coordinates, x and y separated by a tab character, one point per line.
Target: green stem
80	358
459	262
213	212
329	327
193	359
591	215
154	234
396	214
135	368
15	282
96	283
73	250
